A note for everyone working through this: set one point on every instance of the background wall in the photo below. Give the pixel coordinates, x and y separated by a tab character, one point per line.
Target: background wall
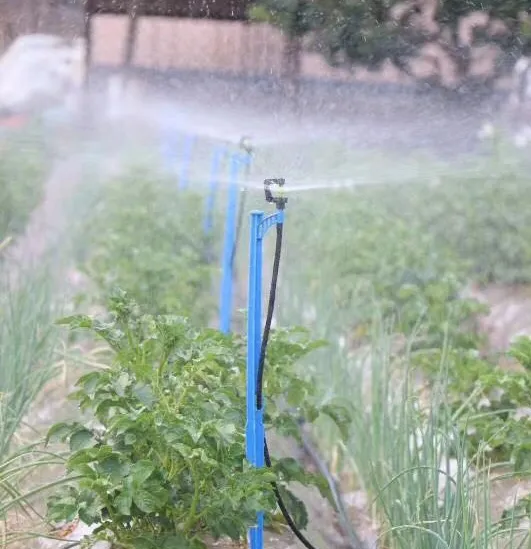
219	46
212	46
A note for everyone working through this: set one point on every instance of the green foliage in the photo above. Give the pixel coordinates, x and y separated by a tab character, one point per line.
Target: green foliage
146	236
27	343
23	167
397	257
490	405
483	219
366	32
516	514
166	465
408	251
386	253
15	496
295	17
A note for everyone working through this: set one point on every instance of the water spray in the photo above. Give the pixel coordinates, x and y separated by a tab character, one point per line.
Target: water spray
248	149
169	146
217	157
188	148
303	187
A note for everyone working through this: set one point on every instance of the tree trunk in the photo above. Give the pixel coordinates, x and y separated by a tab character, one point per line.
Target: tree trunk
136	9
130	41
292	68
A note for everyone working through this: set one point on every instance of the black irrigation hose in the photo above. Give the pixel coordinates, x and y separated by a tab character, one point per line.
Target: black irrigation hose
260	375
280	502
269	317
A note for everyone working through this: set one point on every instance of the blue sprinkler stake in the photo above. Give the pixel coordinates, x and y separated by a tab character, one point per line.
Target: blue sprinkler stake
225	307
187	158
255	432
217	157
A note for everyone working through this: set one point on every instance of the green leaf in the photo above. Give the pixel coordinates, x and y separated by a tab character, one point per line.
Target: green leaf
124	501
290	470
226	432
122	424
76	321
341	416
103	407
522	459
130	439
296	508
145	395
80	459
86	470
183	449
121	384
89	382
90	509
89	455
142	470
144	542
60	432
80	440
147	500
521	351
113	467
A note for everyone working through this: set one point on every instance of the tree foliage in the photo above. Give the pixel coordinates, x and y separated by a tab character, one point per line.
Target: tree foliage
369	32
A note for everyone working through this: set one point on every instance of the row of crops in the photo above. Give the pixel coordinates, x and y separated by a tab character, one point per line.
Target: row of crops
390	373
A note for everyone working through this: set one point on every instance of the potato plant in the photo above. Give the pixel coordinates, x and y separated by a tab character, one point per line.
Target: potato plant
146	236
164	465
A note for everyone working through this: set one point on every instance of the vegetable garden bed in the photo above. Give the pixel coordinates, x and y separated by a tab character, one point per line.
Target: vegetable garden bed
162	461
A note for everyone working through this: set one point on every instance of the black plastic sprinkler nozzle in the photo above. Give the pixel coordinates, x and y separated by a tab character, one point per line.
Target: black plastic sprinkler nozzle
280	201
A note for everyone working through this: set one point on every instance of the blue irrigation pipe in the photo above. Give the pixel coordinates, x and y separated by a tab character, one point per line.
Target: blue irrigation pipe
188	149
238	161
217	158
255	431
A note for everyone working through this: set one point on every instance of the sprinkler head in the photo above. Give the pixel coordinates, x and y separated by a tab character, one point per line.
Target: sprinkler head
245	144
280	200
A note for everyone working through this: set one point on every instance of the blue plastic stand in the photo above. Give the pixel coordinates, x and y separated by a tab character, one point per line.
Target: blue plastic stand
188	148
255	431
217	157
225	309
